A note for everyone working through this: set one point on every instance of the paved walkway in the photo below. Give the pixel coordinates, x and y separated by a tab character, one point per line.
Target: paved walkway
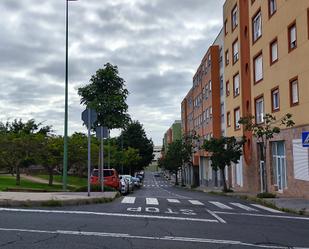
13	199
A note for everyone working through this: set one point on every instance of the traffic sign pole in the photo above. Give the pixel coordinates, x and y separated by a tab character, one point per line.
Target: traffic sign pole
102	160
89	148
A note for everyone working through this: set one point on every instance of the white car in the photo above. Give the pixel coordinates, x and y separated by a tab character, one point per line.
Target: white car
124	185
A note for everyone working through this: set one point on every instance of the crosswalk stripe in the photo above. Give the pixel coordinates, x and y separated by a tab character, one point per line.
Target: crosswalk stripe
220	205
242	206
152	201
129	200
195	202
173	200
267	208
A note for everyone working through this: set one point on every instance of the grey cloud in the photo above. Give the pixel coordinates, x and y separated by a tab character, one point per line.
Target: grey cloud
141	39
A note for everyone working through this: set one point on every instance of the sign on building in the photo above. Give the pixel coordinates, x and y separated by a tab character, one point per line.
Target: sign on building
305	138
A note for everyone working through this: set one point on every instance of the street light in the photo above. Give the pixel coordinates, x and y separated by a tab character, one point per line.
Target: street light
65	145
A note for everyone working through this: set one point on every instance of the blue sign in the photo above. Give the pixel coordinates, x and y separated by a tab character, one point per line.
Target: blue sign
305	138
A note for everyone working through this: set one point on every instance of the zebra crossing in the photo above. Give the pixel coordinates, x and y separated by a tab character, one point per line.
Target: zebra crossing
214	204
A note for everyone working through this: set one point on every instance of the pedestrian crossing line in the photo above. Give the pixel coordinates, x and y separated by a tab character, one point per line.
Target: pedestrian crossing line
220	205
267	209
242	206
152	201
195	202
173	200
129	200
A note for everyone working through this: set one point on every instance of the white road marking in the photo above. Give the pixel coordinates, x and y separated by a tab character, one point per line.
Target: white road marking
105	214
128	236
152	201
220	205
195	202
264	215
216	216
173	200
129	200
267	209
242	206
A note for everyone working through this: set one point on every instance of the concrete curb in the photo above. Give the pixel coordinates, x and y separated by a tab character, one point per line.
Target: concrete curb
54	202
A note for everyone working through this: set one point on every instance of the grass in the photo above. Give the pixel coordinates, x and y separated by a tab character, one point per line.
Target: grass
72	180
10	182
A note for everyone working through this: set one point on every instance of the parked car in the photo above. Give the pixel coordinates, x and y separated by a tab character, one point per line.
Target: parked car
137	182
140	175
130	180
157	174
124	185
111	178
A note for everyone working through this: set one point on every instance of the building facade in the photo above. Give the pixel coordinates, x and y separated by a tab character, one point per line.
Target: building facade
257	65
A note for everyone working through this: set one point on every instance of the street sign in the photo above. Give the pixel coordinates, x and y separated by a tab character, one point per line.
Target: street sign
305	138
101	132
93	117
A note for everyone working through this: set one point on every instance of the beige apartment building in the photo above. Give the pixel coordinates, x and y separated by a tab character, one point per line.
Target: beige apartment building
279	52
264	49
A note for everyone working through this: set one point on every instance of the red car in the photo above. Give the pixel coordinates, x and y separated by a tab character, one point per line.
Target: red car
111	178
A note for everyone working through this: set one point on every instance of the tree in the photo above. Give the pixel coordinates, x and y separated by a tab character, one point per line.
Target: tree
264	132
106	93
49	154
78	153
224	151
130	157
134	136
18	143
174	158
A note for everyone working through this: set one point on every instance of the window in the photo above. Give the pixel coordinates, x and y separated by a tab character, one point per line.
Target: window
207	115
279	164
234	18
272	7
259	110
227	88
258	68
228	119
206	91
225	27
257	26
275	105
221	85
209	60
209	83
294	94
235	52
227	57
210	112
236	118
236	85
222	112
273	51
292	36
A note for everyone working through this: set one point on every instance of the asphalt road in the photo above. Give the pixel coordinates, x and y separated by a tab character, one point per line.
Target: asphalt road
157	216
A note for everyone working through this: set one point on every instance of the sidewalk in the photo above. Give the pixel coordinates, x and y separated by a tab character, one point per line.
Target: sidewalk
17	199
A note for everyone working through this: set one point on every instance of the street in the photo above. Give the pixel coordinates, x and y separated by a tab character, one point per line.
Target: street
158	215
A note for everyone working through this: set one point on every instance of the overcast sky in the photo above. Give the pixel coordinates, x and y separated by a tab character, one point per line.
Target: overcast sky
156	44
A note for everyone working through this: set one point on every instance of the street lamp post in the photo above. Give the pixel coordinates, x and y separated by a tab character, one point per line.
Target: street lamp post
65	145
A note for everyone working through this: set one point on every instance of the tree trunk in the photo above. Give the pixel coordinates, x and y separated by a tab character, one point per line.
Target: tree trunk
224	181
51	176
176	182
265	168
17	175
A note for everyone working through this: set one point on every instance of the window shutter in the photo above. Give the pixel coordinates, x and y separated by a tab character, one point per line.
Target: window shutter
295	92
293	34
301	161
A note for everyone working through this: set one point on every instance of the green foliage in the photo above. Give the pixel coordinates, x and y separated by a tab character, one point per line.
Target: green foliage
224	151
134	136
106	93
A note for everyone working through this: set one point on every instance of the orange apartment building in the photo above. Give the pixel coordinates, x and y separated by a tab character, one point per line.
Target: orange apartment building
201	113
